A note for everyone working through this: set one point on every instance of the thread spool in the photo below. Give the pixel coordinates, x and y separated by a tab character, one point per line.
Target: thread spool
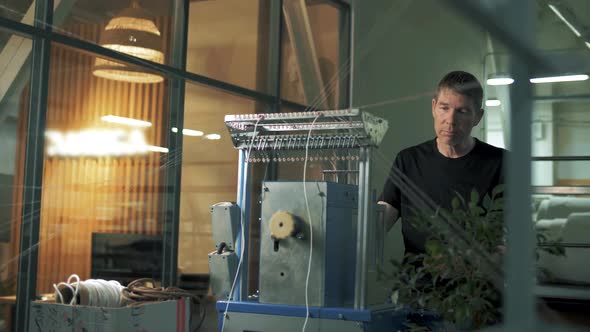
92	292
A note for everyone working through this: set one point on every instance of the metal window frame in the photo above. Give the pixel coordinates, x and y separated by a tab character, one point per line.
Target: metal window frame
43	36
26	288
174	171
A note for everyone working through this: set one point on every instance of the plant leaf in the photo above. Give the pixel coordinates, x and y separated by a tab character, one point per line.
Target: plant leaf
499	189
433	247
395	296
487	202
474	196
455	203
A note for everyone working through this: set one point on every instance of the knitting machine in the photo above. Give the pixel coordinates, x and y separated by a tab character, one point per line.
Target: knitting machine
336	223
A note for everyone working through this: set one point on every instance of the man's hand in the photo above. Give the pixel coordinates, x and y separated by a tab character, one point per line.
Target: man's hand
391	215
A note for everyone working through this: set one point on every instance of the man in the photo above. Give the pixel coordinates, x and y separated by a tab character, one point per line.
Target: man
452	163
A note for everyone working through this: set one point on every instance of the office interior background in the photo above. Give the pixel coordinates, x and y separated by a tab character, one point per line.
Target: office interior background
104	144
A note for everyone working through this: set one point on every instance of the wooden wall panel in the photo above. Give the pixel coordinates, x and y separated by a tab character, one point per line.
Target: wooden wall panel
82	195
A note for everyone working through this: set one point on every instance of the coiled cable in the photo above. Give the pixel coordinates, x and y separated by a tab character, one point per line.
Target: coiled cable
103	293
91	292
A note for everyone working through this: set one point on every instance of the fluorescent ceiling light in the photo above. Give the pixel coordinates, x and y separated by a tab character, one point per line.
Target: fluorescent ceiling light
213	136
500	81
567	22
493	102
189	132
553	79
126	121
157	148
588	44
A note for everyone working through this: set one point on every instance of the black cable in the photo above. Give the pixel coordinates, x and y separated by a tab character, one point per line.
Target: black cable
222	246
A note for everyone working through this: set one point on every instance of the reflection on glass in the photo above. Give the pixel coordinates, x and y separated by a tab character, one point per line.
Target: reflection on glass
19	10
310	55
104	168
14	107
139	28
561	182
209	171
228	41
134	32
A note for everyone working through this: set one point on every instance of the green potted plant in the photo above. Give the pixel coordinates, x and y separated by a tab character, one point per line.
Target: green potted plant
459	278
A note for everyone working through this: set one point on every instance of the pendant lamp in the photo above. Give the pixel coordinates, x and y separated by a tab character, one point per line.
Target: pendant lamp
134	32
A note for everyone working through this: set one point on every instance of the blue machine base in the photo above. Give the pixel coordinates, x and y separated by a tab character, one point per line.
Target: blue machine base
387	318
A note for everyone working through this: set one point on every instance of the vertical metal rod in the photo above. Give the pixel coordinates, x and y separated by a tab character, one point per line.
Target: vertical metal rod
360	263
367	224
344	56
520	314
174	169
275	49
26	288
243	199
351	46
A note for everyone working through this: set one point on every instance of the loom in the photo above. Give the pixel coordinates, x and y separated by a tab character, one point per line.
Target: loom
348	229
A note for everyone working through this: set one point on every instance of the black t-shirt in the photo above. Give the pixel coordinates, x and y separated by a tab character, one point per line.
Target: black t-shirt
441	178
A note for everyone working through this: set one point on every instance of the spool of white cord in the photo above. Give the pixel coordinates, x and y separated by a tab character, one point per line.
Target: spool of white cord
91	292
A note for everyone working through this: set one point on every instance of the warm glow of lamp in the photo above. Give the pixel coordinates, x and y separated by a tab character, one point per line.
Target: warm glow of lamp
132	31
99	142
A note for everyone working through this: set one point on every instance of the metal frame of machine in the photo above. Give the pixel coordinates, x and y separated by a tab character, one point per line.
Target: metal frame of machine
266	137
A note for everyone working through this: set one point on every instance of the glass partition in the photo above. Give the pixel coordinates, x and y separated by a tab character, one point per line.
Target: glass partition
14	108
103	182
228	40
22	11
315	61
140	28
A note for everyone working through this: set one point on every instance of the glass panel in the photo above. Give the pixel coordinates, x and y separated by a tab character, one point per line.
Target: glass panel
140	28
559	128
19	10
209	176
14	107
104	172
228	41
400	57
314	64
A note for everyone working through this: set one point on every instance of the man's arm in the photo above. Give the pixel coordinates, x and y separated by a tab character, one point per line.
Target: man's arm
391	215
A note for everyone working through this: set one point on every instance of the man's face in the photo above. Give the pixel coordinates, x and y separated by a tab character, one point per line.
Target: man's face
454	116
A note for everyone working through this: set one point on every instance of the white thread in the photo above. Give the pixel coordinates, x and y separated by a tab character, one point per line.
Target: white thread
242	216
310	226
68	284
101	293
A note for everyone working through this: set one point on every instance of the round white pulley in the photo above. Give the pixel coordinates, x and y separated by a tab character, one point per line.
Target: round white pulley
282	224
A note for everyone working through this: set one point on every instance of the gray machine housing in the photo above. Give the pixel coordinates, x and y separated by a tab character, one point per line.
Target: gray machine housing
225	220
222	269
283	267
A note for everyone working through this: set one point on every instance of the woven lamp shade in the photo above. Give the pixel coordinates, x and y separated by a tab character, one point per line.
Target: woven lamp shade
132	31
